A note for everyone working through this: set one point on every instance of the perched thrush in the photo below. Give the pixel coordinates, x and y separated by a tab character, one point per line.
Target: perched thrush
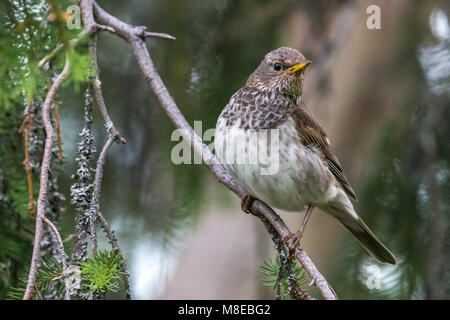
268	114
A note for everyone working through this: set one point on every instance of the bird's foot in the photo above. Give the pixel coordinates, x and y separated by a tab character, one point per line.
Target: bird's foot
247	202
292	241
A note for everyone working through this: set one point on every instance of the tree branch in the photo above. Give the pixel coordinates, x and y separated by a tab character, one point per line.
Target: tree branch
45	167
159	35
97	84
285	263
96	193
132	34
114	136
63	257
25	127
88	18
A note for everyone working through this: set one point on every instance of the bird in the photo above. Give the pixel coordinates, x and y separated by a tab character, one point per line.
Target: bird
268	116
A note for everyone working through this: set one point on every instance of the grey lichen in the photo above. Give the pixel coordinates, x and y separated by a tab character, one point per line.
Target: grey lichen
81	190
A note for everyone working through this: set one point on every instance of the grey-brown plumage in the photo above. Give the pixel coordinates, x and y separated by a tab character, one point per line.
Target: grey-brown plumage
309	174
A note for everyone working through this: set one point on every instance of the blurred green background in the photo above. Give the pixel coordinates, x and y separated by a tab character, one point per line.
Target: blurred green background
382	95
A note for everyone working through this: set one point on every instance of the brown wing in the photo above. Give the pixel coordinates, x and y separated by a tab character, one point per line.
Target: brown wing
312	134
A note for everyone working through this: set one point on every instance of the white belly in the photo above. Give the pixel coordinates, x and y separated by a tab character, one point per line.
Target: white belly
285	175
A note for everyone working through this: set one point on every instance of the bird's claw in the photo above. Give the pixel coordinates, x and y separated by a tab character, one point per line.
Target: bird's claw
292	241
246	203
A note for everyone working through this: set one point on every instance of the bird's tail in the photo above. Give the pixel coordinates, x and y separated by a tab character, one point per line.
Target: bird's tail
369	241
363	234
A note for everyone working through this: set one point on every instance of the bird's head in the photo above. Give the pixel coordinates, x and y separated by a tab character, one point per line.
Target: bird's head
281	71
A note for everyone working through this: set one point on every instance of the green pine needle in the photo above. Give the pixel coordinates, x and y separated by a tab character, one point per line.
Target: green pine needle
48	279
102	272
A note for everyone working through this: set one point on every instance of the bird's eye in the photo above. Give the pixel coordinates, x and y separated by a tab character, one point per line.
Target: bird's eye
277	66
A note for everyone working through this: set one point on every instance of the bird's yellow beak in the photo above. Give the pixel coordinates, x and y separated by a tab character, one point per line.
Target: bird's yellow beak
298	67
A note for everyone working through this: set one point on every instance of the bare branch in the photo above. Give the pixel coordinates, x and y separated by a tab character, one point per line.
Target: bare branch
112	130
88	17
159	35
91	27
58	132
45	167
133	36
38	293
142	32
114	136
50	55
96	194
25	127
63	257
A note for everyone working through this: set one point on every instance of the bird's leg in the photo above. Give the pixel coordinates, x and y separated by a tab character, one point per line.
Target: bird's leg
247	202
306	218
293	240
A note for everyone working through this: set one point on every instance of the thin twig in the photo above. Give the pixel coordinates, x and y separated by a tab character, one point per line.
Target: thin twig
63	257
159	35
91	27
50	55
26	128
96	193
72	43
112	130
114	136
132	35
45	167
38	293
58	132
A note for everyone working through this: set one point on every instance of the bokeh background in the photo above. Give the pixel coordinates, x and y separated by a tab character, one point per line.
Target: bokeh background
382	95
